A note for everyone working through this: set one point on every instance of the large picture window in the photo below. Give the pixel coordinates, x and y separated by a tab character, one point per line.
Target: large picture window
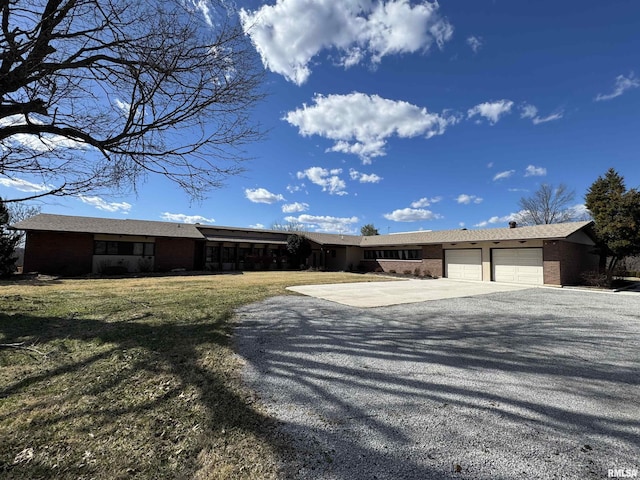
141	249
415	254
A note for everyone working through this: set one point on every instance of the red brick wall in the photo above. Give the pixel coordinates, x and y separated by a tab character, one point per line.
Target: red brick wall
431	263
576	260
564	262
551	262
66	254
432	259
175	253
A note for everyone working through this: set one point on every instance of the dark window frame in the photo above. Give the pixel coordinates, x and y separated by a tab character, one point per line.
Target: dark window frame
403	254
121	248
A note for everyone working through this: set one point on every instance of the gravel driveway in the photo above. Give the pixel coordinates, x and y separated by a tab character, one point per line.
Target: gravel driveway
529	384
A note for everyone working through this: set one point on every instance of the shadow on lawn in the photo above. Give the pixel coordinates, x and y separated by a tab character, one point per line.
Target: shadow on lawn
486	383
133	398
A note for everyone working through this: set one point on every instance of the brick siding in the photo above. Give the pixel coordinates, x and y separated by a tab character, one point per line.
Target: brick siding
172	253
431	263
67	254
551	263
576	260
565	262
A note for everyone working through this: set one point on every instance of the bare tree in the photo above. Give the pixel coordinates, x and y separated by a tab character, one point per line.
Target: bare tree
548	204
19	211
97	94
290	226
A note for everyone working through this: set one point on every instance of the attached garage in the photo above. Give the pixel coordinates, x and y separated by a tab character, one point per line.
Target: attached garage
518	265
463	264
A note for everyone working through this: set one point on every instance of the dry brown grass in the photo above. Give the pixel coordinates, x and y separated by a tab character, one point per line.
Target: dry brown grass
138	379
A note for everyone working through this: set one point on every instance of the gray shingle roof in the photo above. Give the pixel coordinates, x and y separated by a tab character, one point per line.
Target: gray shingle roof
545	232
332	238
552	231
67	223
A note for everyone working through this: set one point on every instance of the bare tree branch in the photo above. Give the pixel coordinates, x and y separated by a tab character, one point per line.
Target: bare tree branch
548	204
22	346
97	94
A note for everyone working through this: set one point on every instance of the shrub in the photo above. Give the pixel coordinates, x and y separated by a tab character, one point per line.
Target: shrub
407	272
145	265
595	279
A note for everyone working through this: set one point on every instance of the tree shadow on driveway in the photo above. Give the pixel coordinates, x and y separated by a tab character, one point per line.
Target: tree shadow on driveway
530	384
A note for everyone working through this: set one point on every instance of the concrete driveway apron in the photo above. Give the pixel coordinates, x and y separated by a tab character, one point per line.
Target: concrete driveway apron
398	292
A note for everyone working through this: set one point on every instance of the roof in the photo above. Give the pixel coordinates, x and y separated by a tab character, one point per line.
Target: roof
245	240
68	223
332	238
545	232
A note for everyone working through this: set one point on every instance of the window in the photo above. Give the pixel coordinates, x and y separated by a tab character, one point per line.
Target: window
212	254
228	254
415	254
102	247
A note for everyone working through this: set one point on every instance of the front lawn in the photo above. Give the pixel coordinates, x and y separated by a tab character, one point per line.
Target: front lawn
133	378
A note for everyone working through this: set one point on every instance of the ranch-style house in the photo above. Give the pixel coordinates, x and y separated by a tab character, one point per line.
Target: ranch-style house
556	254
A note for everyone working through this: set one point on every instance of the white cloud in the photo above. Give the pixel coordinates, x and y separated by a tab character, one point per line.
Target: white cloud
364	177
622	85
425	202
411	215
289	34
45	142
262	195
24	185
259	226
548	118
503	175
295	207
530	111
183	218
101	204
366	122
580	211
465	199
492	111
498	220
203	6
533	171
475	43
326	224
327	179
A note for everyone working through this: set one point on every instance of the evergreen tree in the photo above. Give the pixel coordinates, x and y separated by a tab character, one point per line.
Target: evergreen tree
299	248
8	242
616	212
369	230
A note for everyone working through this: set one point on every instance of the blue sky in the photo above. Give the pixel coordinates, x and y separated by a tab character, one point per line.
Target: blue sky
416	115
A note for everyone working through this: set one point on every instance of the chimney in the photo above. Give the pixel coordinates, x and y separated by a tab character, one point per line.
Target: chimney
512	224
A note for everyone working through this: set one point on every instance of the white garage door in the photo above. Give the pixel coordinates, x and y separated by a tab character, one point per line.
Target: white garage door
463	264
518	265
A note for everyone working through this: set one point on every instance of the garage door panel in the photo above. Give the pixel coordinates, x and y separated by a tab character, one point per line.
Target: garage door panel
518	265
463	264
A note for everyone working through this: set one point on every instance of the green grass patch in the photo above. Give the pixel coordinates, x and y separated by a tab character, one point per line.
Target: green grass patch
133	378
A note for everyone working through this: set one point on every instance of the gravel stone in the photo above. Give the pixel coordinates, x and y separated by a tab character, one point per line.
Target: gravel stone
529	384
